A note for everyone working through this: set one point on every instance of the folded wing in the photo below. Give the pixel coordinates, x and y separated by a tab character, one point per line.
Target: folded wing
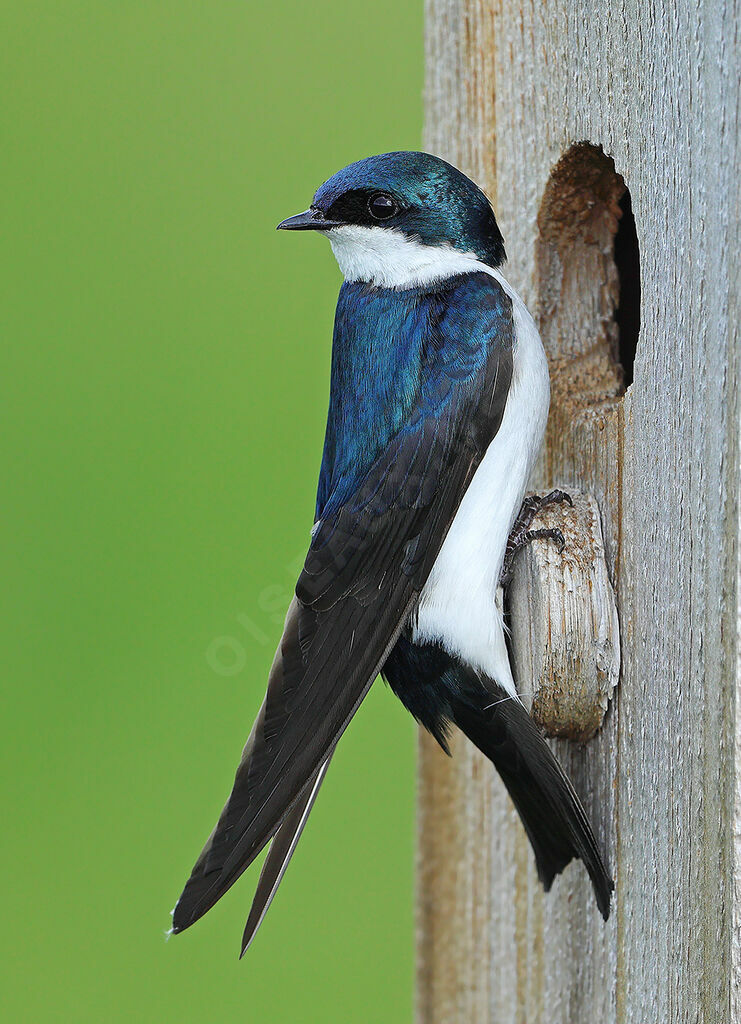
365	568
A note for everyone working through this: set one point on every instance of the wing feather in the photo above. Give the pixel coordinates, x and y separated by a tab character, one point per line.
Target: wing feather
367	563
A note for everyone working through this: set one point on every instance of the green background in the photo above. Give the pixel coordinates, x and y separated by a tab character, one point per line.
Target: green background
165	379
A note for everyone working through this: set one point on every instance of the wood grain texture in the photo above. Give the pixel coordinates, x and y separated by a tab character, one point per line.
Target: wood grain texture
563	621
511	87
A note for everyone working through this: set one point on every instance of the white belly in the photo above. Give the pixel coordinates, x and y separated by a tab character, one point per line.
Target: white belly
457	605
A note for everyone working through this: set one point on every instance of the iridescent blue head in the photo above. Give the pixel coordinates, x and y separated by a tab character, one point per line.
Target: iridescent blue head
401	219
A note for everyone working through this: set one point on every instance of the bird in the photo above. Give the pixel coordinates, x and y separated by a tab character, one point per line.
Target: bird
439	396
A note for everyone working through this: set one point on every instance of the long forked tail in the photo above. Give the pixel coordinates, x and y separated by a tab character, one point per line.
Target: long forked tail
553	816
279	855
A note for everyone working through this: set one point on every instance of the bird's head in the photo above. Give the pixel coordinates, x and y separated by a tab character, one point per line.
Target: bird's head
403	219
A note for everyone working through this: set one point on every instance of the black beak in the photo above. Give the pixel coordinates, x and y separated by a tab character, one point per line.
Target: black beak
309	220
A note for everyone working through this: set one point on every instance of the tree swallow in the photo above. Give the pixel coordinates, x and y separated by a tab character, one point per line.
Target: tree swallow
438	403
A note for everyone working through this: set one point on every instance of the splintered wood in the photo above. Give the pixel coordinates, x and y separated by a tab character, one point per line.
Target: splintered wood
564	623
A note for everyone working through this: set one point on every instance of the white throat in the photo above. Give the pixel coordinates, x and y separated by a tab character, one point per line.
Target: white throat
387	258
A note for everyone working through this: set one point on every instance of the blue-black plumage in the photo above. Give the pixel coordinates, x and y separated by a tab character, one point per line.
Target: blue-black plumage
395	351
438	403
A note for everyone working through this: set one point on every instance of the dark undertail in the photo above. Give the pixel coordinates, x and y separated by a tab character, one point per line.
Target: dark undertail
439	690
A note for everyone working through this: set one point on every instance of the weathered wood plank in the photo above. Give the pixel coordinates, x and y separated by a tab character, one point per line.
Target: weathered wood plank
510	88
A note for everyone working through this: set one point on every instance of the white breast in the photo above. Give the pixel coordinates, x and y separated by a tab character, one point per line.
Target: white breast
457	606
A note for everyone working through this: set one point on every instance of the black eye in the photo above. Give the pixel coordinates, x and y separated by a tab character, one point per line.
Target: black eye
381	206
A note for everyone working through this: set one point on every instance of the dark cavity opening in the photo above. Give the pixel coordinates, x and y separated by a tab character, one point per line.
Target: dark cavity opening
628	312
588	277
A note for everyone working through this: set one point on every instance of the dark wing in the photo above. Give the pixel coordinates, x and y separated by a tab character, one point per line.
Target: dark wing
364	571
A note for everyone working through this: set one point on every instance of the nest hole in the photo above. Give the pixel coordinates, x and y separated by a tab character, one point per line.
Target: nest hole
589	283
628	312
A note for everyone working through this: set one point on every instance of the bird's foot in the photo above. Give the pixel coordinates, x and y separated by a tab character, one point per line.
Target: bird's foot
521	534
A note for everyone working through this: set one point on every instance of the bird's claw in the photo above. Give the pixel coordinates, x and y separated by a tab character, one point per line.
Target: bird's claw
521	534
547	533
556	497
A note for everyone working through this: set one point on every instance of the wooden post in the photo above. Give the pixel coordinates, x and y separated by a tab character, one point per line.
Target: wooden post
512	88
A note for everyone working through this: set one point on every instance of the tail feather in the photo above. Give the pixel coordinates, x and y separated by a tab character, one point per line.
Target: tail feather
279	855
554	818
